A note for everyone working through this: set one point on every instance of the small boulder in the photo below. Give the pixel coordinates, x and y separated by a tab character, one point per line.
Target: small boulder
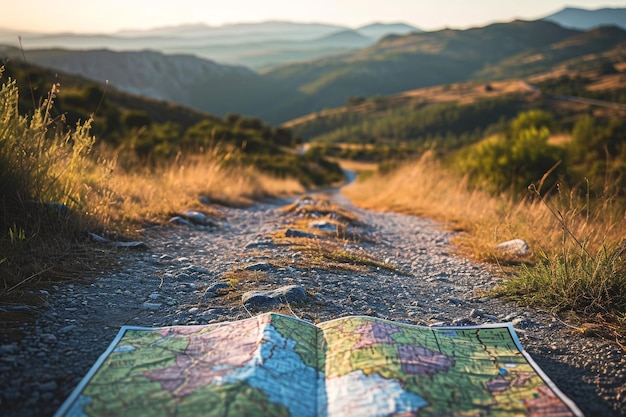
286	294
324	226
218	286
196	218
514	247
298	233
259	267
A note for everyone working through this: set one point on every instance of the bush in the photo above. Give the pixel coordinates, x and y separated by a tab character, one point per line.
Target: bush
514	161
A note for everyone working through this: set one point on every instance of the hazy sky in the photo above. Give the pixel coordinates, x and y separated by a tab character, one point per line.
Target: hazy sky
105	16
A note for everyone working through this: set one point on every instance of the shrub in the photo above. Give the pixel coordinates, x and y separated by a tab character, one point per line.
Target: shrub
514	161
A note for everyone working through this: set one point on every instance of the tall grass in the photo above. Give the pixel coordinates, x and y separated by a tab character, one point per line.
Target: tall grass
127	199
578	252
41	164
54	188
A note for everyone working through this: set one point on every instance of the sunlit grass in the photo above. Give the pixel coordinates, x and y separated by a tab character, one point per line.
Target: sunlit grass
577	258
153	195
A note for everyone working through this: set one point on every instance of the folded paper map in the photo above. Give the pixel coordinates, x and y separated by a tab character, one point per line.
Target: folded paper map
275	365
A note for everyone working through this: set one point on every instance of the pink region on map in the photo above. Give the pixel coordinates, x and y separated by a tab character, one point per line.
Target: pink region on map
416	360
521	378
210	356
498	385
548	404
373	333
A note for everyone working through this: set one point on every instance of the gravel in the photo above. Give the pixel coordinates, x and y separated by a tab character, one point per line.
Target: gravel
181	280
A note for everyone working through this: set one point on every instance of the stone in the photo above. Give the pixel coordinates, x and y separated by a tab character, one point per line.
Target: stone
67	329
177	220
463	321
105	241
8	349
151	306
218	286
286	294
196	218
514	247
298	233
324	226
259	243
47	386
48	338
259	266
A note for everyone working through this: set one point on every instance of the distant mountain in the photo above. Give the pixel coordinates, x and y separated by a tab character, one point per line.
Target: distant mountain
183	79
380	30
583	19
256	45
242	32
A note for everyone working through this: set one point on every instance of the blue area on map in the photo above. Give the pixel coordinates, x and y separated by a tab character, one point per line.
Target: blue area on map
278	371
79	406
356	394
124	349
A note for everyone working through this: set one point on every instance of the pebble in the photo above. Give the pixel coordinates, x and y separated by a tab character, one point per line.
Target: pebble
286	294
259	266
298	233
67	329
151	306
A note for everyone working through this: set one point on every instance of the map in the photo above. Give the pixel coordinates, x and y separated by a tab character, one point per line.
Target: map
276	365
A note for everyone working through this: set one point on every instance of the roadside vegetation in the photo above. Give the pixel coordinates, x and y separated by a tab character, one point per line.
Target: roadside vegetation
564	197
72	162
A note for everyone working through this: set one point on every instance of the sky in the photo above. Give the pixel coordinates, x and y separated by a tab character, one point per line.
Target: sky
109	16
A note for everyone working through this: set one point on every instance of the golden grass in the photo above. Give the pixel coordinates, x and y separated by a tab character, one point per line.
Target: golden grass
425	188
122	198
576	266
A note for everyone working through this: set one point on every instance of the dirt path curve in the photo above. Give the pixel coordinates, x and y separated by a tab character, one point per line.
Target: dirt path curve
387	265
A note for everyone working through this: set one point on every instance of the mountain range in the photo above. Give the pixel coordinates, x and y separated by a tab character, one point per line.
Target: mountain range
394	64
255	45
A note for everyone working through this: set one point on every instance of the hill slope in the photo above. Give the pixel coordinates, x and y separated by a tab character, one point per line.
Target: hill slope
183	79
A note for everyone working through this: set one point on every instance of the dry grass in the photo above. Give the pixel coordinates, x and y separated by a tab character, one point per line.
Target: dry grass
128	198
578	251
426	189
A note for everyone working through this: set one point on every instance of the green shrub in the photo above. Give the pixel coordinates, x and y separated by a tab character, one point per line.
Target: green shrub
513	161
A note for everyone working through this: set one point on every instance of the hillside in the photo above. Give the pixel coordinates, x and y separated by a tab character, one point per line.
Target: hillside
584	19
183	79
147	132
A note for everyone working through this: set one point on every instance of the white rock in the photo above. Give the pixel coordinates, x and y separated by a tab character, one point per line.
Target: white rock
515	247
